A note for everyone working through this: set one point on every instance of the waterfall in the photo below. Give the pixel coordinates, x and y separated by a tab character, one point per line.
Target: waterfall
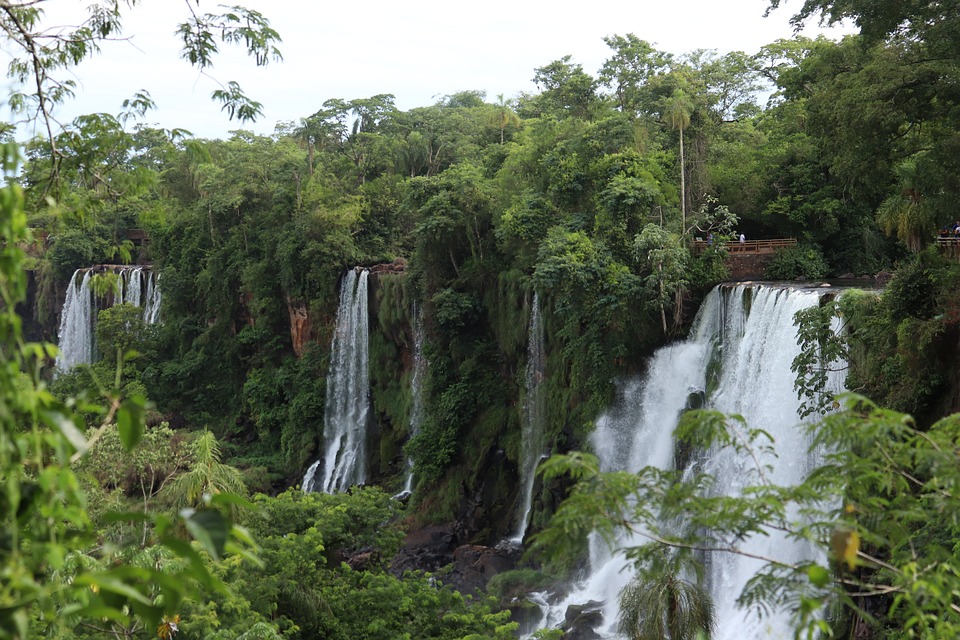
748	331
416	389
759	345
130	286
80	307
151	300
348	391
533	438
75	336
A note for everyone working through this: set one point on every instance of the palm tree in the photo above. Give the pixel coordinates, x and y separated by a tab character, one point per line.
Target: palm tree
907	214
676	111
504	115
207	475
659	605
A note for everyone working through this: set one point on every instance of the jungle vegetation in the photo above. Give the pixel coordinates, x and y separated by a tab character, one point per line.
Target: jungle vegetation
590	191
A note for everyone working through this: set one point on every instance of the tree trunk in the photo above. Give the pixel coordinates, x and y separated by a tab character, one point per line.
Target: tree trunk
683	190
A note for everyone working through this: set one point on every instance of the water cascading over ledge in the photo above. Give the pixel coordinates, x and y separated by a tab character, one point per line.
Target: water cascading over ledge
138	286
738	359
533	437
347	411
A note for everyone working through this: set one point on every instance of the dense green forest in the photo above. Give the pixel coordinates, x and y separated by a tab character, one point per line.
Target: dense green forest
154	492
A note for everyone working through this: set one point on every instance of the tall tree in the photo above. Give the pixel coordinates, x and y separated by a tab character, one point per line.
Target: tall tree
505	115
676	112
567	90
630	70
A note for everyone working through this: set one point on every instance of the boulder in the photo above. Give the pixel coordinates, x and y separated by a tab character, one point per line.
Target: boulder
581	621
427	549
474	565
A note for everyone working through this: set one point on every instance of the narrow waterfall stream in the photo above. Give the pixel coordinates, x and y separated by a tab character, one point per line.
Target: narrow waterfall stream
533	437
348	394
135	285
416	389
745	337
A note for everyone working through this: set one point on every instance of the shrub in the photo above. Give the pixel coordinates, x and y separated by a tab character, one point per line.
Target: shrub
803	262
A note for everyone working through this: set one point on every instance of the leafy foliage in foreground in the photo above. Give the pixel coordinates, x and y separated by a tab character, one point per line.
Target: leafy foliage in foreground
882	506
55	569
306	588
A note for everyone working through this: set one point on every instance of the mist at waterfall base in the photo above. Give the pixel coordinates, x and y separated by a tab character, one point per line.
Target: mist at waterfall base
347	411
75	339
745	336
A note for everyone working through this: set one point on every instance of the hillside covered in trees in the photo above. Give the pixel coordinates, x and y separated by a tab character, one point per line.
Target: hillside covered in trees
611	204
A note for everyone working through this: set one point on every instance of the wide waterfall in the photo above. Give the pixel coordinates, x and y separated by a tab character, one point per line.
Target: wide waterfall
745	336
533	438
135	285
416	389
348	394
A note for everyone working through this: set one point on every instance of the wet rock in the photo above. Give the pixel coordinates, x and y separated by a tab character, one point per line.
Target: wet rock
474	565
581	621
527	614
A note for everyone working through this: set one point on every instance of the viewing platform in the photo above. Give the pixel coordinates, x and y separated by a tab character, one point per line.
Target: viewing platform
748	260
949	246
749	246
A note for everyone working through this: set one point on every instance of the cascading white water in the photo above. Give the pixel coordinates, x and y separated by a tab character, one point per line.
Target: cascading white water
131	286
80	307
416	389
759	345
533	437
348	394
152	300
750	328
75	336
635	433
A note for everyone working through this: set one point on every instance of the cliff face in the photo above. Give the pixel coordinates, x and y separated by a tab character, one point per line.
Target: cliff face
748	266
300	330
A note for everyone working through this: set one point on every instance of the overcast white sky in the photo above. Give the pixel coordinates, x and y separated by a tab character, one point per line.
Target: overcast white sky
419	51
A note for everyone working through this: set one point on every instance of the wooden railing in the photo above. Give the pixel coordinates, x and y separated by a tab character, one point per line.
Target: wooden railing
748	246
949	246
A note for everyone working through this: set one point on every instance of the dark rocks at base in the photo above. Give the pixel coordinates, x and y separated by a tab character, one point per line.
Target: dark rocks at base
474	565
403	497
581	621
364	560
527	614
434	548
882	277
428	549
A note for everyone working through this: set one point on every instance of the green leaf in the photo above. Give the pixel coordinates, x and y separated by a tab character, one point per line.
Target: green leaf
130	424
210	529
67	428
102	612
818	575
109	583
231	499
198	569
